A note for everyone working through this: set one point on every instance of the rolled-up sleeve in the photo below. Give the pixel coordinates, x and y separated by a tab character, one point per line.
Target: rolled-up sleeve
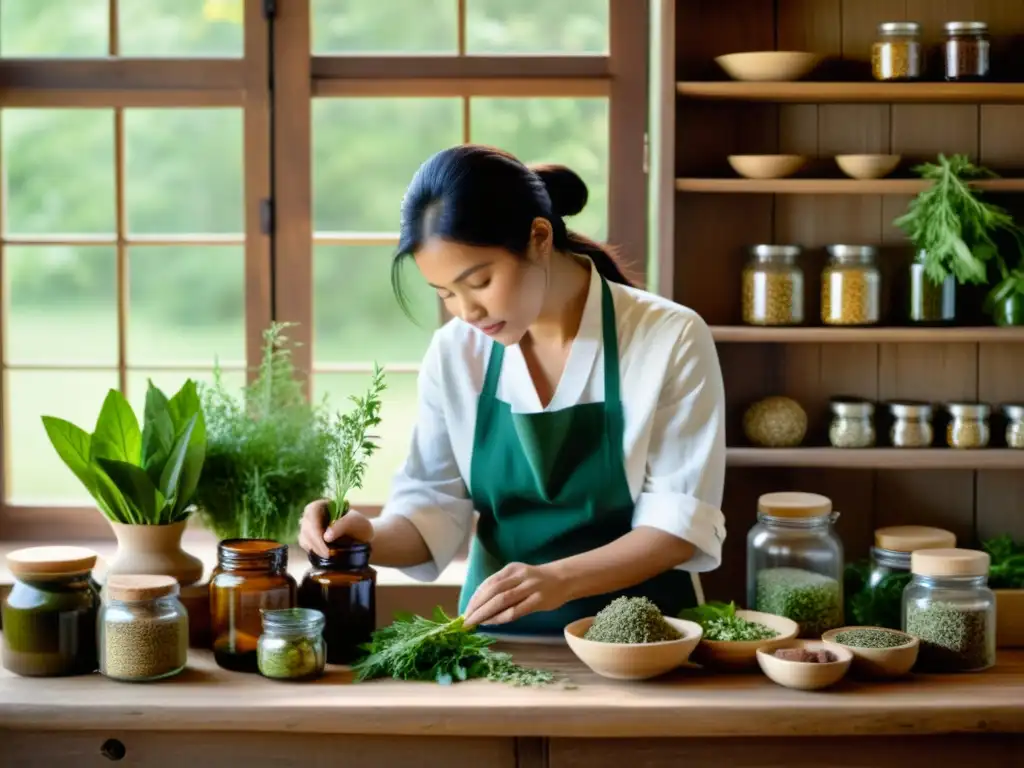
685	476
429	490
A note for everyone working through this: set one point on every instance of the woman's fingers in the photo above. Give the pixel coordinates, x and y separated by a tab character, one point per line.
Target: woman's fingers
501	601
353	524
491	586
311	529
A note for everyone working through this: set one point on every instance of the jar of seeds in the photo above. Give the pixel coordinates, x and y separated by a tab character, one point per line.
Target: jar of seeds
773	286
897	54
852	424
292	645
851	286
950	608
143	628
911	424
1014	413
967	50
968	425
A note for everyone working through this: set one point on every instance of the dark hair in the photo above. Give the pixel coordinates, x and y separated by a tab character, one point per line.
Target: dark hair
483	196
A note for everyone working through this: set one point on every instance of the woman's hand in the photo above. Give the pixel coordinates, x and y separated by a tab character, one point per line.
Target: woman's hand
314	532
515	591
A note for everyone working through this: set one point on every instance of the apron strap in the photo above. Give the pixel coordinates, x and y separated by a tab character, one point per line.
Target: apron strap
610	337
493	374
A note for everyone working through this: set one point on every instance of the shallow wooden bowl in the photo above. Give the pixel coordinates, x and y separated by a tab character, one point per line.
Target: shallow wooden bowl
762	66
742	654
633	661
878	662
804	675
766	166
867	166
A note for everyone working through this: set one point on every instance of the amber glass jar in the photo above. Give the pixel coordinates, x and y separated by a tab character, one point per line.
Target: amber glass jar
251	575
343	587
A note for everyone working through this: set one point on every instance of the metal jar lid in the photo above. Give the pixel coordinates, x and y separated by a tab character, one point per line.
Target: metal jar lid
968	410
910	409
768	251
852	407
852	253
975	27
899	28
1014	411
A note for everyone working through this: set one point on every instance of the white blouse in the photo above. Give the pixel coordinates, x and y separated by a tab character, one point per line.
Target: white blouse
674	442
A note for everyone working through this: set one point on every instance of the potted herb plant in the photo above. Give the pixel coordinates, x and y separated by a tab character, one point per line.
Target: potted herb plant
1006	579
143	480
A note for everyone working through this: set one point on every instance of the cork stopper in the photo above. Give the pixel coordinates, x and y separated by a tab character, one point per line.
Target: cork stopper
907	538
131	588
794	504
51	561
949	562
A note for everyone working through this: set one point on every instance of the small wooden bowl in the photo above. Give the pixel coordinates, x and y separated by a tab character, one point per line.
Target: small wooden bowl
867	166
762	66
878	662
633	661
805	675
742	654
766	166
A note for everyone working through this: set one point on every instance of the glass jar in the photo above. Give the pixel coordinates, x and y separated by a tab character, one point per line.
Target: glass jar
876	599
967	50
49	616
897	54
251	576
949	607
1014	413
968	425
930	303
852	424
911	424
292	644
143	628
773	286
851	286
342	587
795	561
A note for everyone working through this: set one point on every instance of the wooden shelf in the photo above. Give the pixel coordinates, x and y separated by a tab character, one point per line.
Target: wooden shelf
869	92
967	335
877	458
831	186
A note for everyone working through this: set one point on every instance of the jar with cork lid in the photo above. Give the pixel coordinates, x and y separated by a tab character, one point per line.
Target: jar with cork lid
143	628
795	561
950	608
773	286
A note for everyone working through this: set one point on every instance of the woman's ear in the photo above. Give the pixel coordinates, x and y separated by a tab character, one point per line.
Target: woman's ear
541	240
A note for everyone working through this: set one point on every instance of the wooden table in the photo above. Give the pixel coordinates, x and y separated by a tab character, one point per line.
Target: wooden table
210	717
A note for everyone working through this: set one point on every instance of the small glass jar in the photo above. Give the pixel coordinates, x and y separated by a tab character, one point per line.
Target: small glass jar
143	628
773	286
292	644
1014	413
911	425
949	607
795	561
342	587
251	576
897	54
852	424
49	616
967	50
851	286
968	425
930	303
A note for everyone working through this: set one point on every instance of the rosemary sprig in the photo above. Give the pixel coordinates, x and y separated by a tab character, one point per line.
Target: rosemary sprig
352	444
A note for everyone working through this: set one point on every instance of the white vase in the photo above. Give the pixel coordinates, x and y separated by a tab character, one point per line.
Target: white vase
154	549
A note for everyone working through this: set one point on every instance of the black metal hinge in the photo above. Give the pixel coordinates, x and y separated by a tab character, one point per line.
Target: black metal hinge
267	216
269	9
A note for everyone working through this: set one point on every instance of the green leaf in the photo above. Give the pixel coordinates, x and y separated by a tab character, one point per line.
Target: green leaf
72	444
109	496
157	434
136	487
184	405
117	434
171	476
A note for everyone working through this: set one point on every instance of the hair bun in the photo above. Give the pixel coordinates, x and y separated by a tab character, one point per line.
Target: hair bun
568	192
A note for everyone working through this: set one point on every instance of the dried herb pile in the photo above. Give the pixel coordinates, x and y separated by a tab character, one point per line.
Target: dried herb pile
631	620
812	600
720	623
953	638
871	638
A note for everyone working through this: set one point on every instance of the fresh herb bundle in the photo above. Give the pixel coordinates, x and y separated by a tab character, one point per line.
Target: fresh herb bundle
1006	569
720	623
875	603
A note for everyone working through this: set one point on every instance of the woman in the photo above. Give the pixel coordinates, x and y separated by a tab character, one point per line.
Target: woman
582	418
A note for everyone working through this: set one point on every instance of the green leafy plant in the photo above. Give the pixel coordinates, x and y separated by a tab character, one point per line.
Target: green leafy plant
138	477
1006	569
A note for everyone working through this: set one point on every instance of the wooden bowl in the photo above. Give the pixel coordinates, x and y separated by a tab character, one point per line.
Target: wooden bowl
742	654
867	166
766	166
878	662
804	675
762	66
633	661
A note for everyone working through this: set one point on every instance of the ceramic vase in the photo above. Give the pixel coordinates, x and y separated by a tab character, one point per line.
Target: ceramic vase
154	549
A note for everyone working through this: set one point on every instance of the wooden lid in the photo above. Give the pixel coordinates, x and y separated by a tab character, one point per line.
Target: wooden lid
794	504
907	538
138	587
949	562
50	561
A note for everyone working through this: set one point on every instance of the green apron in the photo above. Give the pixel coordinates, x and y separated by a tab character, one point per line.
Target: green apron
553	484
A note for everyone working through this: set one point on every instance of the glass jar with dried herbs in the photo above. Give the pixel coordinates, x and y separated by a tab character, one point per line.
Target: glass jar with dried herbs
773	286
1014	433
911	424
851	286
968	425
897	54
852	424
967	50
143	628
291	646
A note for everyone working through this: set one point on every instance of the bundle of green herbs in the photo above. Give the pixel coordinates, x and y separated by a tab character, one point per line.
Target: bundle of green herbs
1006	567
631	620
875	602
721	624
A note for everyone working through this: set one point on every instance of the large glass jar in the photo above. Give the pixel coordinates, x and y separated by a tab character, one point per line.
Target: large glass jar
897	54
342	586
1014	413
950	608
795	561
930	303
292	644
852	424
851	286
967	50
968	425
773	286
49	616
143	628
251	576
911	424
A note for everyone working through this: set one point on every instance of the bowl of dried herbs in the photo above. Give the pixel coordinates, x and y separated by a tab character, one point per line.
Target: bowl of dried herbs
733	636
878	652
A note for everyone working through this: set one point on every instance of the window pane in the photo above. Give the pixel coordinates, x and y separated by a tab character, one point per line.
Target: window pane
59	168
180	27
186	305
62	304
385	26
54	28
398	415
567	131
37	472
537	26
356	317
171	381
184	170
